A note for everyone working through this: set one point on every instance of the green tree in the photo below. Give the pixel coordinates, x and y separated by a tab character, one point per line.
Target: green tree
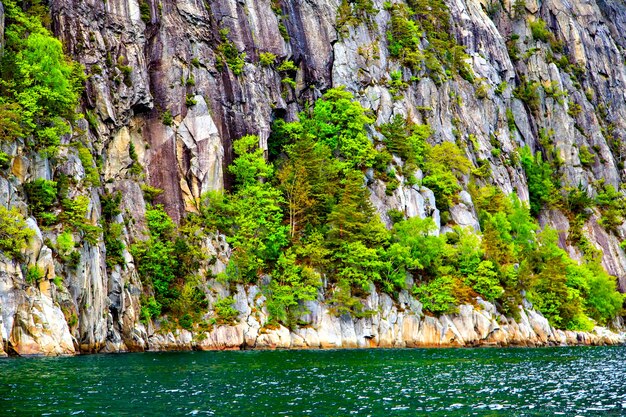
425	249
542	187
439	295
291	284
252	216
445	165
14	232
39	87
485	281
339	122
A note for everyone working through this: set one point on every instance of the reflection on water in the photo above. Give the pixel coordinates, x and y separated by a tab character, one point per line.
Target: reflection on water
580	381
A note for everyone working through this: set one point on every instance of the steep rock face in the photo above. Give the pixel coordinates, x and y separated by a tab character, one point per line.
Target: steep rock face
146	68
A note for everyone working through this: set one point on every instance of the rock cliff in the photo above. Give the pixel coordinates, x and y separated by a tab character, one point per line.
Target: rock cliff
394	324
178	81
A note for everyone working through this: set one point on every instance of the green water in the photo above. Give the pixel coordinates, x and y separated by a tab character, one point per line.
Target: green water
580	381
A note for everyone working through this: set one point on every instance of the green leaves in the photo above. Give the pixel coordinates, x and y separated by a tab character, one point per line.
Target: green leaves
225	311
406	140
485	281
250	165
541	181
42	195
166	264
291	285
40	87
14	232
439	295
339	122
314	218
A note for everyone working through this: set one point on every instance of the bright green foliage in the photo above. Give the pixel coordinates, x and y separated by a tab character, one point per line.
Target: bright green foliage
424	249
150	308
257	216
565	291
550	292
10	122
267	59
296	185
258	233
578	200
320	194
150	193
225	311
229	53
339	122
42	196
34	274
66	248
291	285
352	218
311	217
14	233
40	87
5	160
439	295
353	13
190	302
406	140
586	157
336	121
144	9
612	204
287	66
428	20
445	164
356	265
250	166
75	215
165	263
541	180
92	177
404	37
252	216
155	258
602	299
510	120
354	235
167	118
468	251
486	281
539	30
527	92
65	243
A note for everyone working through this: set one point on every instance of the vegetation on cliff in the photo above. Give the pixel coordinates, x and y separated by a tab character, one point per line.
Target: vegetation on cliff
306	215
39	86
299	214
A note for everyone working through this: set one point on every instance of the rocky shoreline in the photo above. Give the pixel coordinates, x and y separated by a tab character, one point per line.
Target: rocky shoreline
392	324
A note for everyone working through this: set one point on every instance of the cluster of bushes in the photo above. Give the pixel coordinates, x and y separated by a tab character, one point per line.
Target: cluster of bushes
167	263
40	90
306	214
39	86
46	198
529	260
426	22
354	13
14	232
228	54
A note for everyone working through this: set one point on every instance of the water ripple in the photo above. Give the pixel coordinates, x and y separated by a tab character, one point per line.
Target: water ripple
582	381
